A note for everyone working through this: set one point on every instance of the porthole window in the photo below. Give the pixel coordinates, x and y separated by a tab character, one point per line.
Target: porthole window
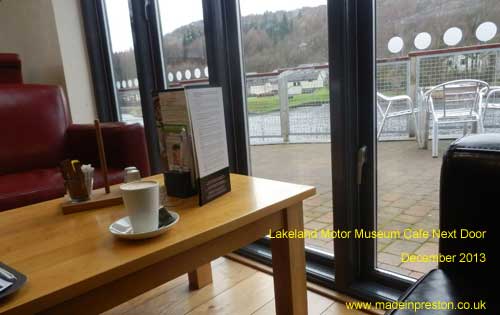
452	36
486	31
423	40
395	44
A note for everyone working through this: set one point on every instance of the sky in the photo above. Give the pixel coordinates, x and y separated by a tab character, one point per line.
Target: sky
175	13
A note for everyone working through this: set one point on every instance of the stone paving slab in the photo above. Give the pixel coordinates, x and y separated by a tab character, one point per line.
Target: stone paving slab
408	194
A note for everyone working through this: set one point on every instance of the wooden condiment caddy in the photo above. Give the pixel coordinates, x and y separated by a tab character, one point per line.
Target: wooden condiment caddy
99	198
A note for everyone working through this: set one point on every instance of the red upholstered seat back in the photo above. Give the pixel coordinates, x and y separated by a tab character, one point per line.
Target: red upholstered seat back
33	123
10	69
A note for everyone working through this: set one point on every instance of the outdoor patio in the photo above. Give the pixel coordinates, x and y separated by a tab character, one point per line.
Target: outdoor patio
408	190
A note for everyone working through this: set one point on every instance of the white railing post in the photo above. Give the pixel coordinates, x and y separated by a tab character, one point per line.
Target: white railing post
412	92
497	68
422	135
284	110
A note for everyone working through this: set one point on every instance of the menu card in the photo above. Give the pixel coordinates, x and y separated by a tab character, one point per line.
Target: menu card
206	109
192	135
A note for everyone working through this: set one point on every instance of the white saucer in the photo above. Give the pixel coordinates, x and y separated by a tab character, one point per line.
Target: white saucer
123	229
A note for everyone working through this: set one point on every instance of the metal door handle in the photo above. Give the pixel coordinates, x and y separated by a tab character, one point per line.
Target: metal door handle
361	162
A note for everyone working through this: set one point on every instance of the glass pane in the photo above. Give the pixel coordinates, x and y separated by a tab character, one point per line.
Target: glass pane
285	58
183	41
452	44
128	99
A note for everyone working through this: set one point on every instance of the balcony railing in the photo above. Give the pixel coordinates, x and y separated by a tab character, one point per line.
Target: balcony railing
293	105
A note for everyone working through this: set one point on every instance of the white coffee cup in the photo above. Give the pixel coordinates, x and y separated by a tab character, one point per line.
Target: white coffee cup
142	201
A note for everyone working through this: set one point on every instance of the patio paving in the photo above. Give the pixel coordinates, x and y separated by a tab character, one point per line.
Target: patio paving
408	194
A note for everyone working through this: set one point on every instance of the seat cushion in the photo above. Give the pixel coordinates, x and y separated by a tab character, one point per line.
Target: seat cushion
442	286
22	189
34	121
115	176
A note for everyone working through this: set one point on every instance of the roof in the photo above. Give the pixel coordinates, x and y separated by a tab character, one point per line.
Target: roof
303	76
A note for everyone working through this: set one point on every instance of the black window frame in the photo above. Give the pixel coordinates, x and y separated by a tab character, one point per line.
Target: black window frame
98	47
98	51
352	27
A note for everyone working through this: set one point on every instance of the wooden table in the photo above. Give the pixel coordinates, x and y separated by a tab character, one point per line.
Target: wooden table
75	266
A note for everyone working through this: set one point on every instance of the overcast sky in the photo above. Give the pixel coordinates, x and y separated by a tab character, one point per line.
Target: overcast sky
176	13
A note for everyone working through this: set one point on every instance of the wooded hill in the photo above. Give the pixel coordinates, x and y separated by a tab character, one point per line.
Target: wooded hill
282	39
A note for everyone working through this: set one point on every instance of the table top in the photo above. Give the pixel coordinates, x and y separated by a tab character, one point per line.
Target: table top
76	252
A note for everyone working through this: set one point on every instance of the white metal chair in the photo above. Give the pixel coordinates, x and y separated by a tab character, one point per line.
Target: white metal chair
492	100
405	109
455	102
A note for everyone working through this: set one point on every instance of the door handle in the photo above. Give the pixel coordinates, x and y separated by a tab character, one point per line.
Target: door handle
361	162
146	9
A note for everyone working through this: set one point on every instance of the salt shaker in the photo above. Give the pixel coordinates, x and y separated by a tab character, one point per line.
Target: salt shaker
132	174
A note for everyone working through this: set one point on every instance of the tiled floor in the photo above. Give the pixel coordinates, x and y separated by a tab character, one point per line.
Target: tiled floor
408	193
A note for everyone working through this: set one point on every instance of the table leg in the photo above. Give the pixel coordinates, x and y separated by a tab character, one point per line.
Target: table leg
289	269
200	277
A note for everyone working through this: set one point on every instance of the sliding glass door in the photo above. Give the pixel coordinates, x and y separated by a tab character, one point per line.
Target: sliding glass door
285	57
421	52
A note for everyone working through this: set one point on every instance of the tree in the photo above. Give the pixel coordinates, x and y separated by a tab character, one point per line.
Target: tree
284	27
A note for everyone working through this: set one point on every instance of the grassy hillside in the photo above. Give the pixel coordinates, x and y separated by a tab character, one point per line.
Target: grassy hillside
265	104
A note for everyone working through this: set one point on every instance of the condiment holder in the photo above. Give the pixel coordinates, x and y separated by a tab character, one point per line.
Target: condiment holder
79	186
